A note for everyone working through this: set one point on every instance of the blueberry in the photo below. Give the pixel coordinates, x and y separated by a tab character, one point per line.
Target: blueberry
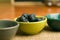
42	18
22	19
31	17
18	19
39	19
25	15
25	20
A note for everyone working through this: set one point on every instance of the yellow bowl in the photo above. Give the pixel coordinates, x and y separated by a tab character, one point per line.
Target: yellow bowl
32	27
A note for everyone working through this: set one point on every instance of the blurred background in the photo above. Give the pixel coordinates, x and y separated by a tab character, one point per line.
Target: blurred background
14	8
10	9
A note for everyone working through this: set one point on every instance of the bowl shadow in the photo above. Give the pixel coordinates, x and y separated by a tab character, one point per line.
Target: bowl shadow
47	28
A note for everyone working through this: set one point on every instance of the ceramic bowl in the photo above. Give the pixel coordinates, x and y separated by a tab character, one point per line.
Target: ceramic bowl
8	29
53	21
32	27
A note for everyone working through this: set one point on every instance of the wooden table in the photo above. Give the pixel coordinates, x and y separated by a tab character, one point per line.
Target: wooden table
8	11
43	35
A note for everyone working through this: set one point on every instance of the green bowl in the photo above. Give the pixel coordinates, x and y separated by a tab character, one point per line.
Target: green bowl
32	27
53	21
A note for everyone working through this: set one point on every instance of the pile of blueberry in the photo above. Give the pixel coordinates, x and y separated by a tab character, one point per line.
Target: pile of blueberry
29	18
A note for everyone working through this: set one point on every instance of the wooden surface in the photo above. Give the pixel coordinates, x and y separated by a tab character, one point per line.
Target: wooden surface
38	10
43	35
8	11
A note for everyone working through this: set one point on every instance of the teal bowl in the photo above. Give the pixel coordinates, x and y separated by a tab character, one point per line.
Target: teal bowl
53	21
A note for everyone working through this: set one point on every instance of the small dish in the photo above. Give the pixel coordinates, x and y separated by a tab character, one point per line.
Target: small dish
32	27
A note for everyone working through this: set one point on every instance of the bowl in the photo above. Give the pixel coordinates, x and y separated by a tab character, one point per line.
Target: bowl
32	27
53	21
8	29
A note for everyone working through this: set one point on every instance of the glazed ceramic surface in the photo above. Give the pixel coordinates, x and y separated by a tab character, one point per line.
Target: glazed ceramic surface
32	27
8	29
53	21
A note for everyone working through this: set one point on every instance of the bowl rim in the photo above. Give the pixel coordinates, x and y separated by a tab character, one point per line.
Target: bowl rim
17	25
33	22
52	18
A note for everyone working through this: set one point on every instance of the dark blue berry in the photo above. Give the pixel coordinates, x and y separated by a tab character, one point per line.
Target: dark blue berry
31	17
39	19
42	18
25	15
22	19
18	19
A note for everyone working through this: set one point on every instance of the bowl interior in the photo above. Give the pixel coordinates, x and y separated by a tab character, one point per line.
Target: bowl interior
34	22
7	23
53	16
